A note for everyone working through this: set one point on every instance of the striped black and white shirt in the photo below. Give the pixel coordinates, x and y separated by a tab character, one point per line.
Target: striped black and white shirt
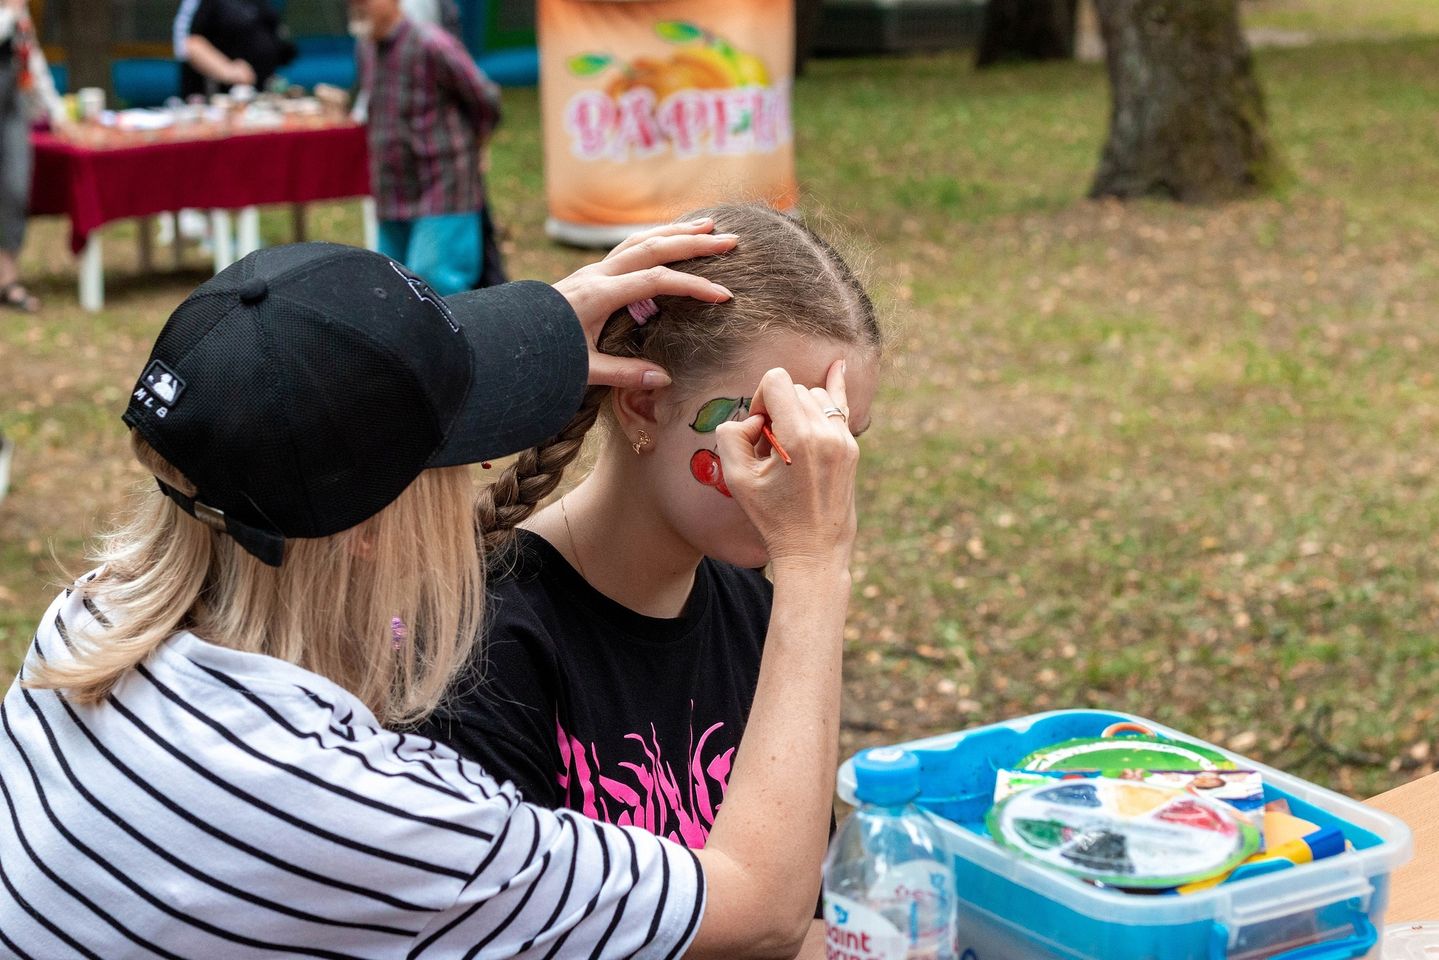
227	804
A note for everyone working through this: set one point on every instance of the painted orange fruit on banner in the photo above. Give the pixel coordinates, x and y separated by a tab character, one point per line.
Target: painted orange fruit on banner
653	107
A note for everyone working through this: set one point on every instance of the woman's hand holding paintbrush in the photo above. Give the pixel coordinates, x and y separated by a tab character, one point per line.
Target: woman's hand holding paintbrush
791	466
804	511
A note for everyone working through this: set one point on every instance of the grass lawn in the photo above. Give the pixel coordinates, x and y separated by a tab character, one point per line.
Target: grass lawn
1175	461
1344	18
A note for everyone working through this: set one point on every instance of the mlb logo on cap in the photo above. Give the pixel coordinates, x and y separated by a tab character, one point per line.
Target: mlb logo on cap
158	390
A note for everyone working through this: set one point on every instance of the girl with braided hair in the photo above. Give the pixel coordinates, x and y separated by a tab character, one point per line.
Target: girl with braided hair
627	620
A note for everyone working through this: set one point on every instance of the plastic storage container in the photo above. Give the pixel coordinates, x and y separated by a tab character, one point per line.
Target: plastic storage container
1012	909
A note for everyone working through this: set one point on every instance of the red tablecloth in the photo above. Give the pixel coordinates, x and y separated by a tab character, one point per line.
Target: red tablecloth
95	186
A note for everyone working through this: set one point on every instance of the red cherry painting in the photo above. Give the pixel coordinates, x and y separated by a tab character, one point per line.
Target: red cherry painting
705	467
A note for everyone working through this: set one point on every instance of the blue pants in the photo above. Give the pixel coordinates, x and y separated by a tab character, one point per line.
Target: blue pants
444	249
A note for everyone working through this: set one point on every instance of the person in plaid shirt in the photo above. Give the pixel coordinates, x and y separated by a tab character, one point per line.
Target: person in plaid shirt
430	112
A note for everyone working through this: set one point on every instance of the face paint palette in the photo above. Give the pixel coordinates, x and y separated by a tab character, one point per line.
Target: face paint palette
1114	756
1123	833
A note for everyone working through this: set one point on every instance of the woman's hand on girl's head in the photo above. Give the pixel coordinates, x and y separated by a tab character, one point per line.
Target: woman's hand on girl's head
804	510
635	270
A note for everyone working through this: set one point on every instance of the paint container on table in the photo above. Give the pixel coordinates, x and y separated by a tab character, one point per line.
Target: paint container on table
1011	907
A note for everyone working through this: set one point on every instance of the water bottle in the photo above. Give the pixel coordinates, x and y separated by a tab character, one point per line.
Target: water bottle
888	883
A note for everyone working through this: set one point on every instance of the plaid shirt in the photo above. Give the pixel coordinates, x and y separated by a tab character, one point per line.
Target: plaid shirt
430	111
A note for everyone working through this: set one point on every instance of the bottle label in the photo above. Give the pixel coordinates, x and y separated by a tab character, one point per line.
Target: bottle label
853	931
921	891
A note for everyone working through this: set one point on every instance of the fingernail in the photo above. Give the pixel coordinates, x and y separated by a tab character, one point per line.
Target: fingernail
723	290
726	236
701	222
843	367
655	378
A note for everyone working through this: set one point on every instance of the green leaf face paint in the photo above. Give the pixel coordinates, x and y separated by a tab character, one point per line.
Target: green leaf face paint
717	411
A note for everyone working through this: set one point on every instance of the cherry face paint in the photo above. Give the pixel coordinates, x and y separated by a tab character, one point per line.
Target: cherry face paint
705	467
705	464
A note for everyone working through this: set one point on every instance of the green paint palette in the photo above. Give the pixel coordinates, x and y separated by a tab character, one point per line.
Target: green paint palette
1112	756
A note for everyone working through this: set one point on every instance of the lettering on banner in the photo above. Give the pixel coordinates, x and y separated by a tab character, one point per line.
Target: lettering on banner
731	122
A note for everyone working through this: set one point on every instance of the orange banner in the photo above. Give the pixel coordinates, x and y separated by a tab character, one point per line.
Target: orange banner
654	107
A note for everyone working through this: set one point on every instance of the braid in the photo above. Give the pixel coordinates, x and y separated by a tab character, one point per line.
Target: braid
535	474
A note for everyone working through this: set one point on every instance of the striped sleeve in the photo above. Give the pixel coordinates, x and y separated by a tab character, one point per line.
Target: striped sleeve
557	884
184	19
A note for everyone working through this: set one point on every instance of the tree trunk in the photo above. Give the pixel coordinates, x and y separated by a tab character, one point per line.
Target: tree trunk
1026	30
1186	115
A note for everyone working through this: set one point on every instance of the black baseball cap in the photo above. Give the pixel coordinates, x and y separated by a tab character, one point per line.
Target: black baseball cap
304	387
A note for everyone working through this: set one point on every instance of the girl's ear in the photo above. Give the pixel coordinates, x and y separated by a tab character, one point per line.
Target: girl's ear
636	409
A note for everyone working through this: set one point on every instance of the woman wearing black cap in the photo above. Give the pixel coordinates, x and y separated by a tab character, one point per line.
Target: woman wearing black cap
199	757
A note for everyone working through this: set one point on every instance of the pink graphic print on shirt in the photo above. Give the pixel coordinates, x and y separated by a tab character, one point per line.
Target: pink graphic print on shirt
647	793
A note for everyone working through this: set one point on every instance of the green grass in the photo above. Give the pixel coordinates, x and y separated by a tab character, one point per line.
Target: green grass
1351	19
1172	460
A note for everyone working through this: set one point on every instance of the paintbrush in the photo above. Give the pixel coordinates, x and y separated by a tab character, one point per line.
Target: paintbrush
774	442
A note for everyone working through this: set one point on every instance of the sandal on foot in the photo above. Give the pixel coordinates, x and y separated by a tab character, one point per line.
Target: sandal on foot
14	296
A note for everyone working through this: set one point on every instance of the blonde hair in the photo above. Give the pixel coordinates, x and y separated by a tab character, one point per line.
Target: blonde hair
330	608
784	277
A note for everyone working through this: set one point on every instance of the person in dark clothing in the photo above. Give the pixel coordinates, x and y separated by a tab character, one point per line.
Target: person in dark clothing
26	91
629	619
228	43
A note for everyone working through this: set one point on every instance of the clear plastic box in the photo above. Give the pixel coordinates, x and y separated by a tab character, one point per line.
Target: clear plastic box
1013	909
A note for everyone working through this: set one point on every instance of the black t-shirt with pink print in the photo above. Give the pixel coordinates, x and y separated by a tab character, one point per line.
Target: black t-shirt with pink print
586	704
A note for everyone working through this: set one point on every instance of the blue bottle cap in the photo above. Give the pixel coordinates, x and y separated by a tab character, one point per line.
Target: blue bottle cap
887	776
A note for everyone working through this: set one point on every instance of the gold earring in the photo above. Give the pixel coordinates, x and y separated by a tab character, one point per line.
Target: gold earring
641	443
